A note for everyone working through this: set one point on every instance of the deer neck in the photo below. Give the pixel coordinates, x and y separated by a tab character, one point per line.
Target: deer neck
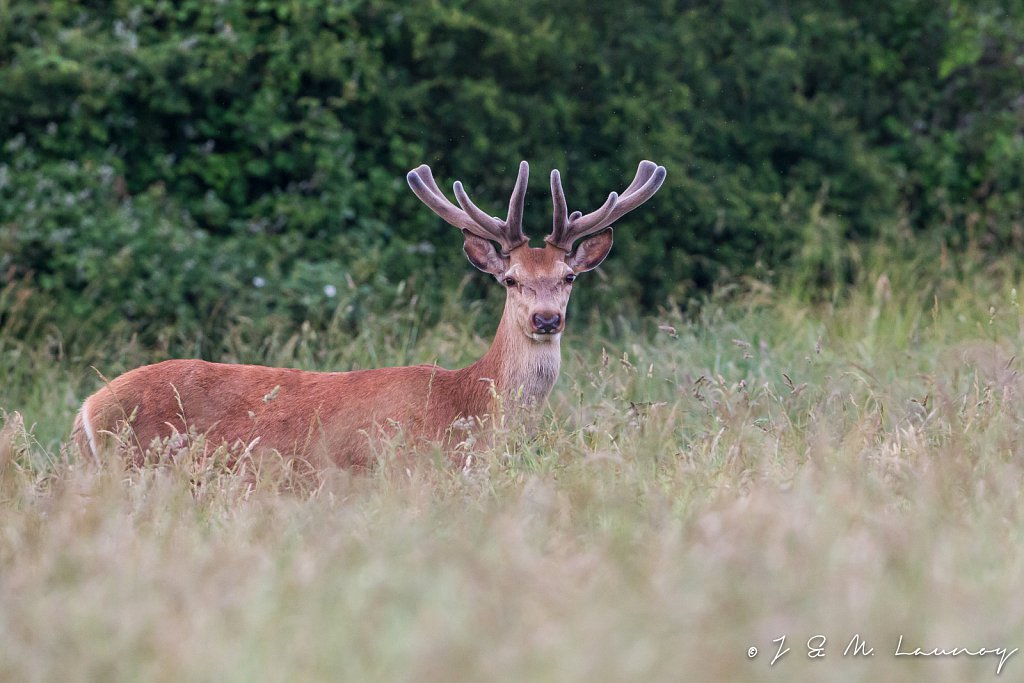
523	370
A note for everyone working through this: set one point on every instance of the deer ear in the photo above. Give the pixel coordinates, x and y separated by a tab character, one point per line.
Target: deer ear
589	253
482	254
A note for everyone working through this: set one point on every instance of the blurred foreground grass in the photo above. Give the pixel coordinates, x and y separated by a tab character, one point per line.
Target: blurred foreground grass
699	487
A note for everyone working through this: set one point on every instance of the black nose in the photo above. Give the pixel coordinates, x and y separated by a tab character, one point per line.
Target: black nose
546	322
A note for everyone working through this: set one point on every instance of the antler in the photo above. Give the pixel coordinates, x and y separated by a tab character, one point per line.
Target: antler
508	233
569	228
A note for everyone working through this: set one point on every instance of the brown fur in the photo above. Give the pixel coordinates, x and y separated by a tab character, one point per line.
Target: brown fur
338	416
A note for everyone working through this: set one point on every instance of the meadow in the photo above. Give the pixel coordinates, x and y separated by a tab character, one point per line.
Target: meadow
763	466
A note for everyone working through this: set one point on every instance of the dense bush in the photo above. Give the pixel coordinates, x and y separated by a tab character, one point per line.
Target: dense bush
166	162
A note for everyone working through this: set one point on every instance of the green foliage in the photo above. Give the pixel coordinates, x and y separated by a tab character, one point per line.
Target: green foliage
160	160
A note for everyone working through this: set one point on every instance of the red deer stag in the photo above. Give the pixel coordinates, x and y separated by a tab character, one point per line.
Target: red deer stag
336	416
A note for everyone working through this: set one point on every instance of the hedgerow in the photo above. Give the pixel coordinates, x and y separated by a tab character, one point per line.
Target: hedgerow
167	163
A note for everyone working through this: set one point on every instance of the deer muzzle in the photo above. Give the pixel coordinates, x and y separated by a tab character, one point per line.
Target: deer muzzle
547	322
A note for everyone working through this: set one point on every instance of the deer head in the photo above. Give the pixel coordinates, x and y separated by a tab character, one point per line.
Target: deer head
538	282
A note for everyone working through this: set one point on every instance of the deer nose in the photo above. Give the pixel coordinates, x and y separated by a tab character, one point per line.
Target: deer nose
546	323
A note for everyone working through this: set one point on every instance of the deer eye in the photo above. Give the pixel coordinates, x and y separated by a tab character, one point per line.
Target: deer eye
510	282
570	278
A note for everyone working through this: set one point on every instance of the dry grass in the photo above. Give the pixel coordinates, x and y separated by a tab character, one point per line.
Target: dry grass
767	470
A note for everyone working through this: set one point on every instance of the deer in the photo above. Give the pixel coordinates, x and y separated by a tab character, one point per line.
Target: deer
339	417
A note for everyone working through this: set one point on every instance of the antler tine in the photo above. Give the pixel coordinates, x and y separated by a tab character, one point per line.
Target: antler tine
595	220
560	216
423	172
514	220
643	174
567	229
640	190
421	180
488	223
566	226
508	233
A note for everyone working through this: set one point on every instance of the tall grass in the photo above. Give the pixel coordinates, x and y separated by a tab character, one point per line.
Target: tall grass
699	487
